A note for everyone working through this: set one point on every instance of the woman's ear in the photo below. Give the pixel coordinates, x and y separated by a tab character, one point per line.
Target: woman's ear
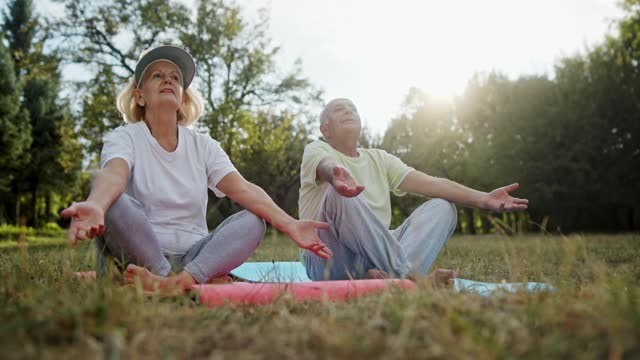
137	95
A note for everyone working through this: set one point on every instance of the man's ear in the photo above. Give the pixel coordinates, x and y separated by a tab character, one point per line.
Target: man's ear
324	129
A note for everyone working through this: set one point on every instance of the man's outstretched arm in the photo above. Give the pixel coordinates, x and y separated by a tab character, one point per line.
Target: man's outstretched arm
497	200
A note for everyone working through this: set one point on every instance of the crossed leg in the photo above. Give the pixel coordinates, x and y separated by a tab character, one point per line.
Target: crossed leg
129	235
364	248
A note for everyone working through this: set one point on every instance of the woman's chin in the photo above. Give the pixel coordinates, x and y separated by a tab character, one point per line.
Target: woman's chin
167	105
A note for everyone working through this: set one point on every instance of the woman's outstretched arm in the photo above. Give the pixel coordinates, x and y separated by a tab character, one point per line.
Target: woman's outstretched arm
250	196
87	217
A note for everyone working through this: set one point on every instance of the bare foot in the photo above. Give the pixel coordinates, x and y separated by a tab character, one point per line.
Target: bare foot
87	275
377	274
226	279
442	277
158	285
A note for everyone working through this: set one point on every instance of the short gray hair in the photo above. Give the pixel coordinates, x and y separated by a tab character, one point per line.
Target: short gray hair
324	115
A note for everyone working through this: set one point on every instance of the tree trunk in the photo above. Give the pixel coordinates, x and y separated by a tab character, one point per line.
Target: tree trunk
34	207
47	206
17	210
22	237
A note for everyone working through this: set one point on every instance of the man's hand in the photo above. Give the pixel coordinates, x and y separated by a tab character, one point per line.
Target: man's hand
499	200
305	234
344	183
87	221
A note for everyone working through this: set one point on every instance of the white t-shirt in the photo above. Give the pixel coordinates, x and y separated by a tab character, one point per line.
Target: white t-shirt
171	186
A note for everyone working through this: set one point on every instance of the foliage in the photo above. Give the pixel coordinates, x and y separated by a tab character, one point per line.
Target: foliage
570	138
99	114
271	155
15	136
53	162
106	38
10	232
242	88
13	232
571	141
237	70
20	27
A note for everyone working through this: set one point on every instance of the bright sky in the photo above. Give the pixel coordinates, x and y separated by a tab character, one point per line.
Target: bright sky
374	51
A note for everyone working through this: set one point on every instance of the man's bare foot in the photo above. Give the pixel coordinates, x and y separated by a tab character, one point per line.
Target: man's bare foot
87	275
442	277
377	274
158	285
226	279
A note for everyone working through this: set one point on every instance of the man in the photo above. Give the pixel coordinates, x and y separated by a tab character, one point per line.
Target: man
348	187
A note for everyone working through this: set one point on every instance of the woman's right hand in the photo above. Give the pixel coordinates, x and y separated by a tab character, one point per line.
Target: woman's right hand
87	221
305	234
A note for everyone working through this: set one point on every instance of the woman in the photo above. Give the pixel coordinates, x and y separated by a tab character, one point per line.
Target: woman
149	197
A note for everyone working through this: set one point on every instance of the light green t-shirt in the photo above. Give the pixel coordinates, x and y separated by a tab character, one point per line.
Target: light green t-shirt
379	172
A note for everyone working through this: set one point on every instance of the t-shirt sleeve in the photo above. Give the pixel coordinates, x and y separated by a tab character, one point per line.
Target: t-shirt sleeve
218	165
396	172
117	144
313	154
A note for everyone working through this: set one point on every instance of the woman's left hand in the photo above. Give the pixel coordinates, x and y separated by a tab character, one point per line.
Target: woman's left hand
305	234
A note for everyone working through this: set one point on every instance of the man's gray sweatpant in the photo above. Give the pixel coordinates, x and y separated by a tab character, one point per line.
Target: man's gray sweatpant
361	242
129	238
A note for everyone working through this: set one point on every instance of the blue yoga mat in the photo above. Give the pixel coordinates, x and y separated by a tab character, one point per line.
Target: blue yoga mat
295	272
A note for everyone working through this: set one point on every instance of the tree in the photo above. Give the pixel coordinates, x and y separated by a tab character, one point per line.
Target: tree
236	64
99	114
624	135
15	136
19	25
240	83
425	137
43	172
107	37
55	159
271	155
244	91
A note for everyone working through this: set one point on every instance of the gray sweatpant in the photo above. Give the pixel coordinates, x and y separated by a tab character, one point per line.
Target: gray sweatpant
129	238
361	242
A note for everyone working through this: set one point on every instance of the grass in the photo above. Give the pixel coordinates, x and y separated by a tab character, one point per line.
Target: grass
33	241
594	313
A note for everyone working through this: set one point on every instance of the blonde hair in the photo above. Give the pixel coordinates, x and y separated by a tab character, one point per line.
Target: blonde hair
190	110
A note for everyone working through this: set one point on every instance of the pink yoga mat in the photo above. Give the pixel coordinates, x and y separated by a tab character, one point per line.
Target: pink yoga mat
264	293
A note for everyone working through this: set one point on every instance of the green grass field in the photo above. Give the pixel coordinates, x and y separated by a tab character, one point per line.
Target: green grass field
594	313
